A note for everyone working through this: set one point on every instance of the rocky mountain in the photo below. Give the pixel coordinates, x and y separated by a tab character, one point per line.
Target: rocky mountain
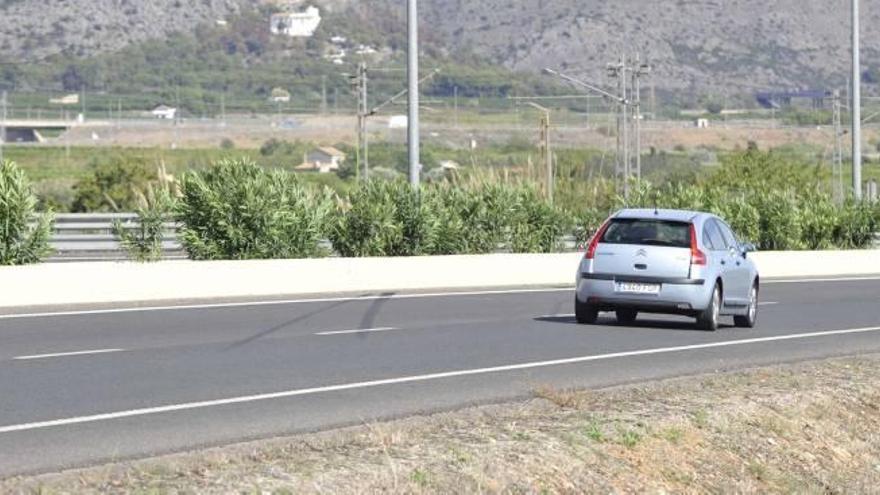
32	30
720	46
696	47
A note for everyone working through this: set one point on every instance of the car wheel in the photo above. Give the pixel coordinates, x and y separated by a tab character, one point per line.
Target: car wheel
585	314
708	319
749	319
626	316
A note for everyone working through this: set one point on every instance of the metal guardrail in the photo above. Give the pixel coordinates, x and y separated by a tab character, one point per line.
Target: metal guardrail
89	237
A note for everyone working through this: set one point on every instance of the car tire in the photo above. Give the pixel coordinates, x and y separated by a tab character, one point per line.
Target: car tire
626	316
708	318
585	314
749	319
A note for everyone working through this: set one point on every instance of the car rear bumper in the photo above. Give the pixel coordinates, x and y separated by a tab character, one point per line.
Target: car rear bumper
677	295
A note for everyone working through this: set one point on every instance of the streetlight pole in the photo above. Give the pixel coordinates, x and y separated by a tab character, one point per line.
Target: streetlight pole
413	94
624	109
856	105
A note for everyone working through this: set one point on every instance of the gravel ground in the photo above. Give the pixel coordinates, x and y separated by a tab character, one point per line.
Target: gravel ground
802	428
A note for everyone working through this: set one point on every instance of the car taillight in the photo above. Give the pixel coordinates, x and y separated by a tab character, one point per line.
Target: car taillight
594	242
697	256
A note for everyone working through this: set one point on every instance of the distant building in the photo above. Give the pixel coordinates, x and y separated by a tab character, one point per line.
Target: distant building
365	50
280	95
71	99
398	122
296	24
702	123
164	112
324	159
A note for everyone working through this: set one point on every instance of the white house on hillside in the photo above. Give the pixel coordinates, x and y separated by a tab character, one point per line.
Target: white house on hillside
164	112
296	24
323	159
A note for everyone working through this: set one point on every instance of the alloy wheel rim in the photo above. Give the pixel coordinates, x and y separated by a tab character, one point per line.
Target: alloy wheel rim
716	302
753	304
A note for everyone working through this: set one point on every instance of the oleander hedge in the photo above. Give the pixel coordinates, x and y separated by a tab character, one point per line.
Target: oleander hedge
24	234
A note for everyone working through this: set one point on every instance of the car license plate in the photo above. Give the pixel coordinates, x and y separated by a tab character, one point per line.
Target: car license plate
637	288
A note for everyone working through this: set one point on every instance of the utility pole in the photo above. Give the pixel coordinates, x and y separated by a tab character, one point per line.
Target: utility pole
223	109
837	165
176	115
545	147
3	110
619	71
413	96
639	71
455	104
856	105
637	96
358	84
365	107
323	95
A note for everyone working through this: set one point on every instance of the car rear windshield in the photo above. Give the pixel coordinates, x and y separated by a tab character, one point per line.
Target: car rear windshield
647	232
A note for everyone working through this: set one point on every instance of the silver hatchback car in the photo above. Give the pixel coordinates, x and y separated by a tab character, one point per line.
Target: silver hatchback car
667	261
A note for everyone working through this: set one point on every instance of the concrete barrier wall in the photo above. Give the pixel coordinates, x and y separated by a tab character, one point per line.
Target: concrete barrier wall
90	283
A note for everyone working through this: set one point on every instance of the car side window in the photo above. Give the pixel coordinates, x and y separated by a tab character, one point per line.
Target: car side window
707	239
718	243
729	238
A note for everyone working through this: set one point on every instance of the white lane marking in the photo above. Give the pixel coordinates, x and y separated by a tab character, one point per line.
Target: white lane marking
813	280
280	302
362	330
135	309
768	303
65	354
416	378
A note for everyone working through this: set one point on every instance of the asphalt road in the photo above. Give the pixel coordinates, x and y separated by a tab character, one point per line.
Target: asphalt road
88	387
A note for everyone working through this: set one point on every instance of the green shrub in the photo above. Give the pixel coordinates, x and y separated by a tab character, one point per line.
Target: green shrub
22	240
380	218
467	221
143	241
237	210
390	219
536	226
779	224
54	194
742	216
820	219
857	225
112	185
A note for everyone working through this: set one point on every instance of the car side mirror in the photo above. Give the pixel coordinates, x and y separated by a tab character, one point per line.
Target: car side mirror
748	248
